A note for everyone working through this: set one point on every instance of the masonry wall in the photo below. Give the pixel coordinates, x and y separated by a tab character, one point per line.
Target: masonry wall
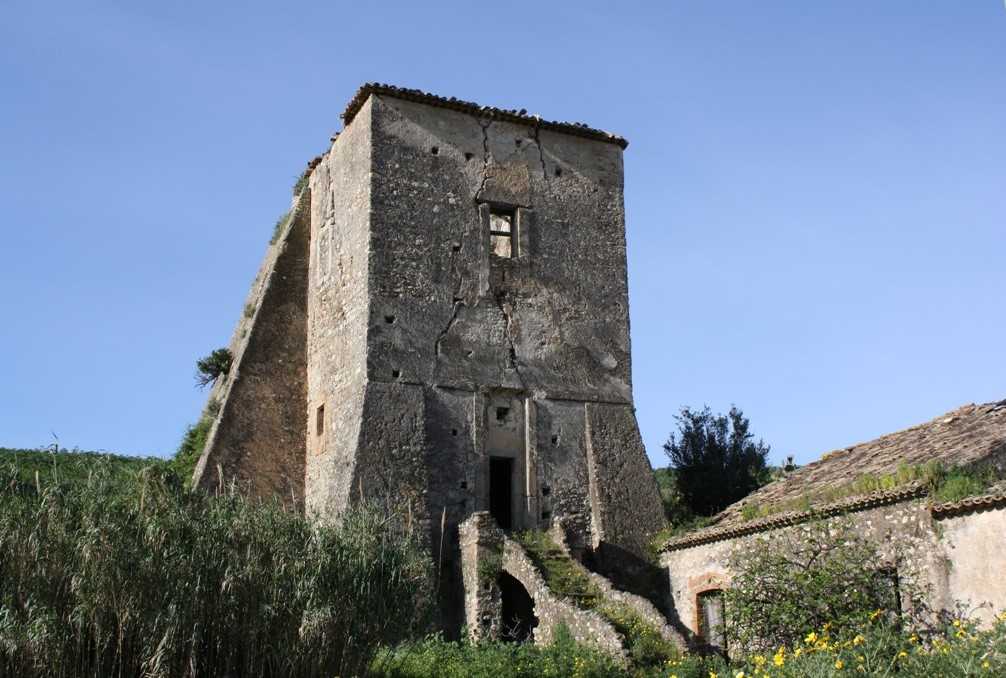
338	311
261	450
546	331
906	527
973	544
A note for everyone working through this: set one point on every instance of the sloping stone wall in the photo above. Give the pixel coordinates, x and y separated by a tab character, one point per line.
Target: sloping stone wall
261	449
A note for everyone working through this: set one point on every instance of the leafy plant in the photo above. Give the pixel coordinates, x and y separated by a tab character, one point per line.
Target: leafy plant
213	366
789	581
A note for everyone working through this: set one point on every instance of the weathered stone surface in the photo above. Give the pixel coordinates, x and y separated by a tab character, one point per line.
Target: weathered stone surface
443	377
258	439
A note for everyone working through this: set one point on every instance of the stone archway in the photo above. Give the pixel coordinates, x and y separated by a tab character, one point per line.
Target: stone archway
518	620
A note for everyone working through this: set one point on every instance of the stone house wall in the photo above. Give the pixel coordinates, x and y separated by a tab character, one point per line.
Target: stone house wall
950	559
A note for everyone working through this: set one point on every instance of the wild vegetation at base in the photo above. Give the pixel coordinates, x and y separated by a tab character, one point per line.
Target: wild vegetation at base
123	572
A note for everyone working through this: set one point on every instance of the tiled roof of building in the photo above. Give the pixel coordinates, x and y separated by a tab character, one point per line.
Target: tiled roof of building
472	108
958	438
962	437
740	529
988	501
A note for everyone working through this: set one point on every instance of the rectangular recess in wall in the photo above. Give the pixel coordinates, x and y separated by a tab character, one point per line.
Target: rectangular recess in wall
319	420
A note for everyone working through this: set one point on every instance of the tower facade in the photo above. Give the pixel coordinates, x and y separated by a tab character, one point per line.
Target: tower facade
443	322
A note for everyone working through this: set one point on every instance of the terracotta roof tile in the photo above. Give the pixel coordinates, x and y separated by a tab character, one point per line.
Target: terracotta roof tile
961	437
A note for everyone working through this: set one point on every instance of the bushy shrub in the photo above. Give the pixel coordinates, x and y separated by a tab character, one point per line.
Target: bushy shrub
789	581
136	576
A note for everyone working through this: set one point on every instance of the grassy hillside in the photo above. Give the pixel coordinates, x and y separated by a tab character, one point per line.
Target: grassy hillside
70	465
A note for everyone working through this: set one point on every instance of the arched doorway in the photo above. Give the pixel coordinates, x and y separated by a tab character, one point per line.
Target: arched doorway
518	610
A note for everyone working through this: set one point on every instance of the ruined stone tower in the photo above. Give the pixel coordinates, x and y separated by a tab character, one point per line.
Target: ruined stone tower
443	322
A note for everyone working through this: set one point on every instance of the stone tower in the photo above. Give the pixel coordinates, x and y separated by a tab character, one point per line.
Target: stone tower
443	321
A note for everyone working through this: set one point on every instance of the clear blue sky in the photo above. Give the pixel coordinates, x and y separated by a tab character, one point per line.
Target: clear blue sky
816	193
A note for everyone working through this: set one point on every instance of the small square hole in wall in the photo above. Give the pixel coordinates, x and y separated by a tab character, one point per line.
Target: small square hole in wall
558	171
395	374
319	420
555	441
454	431
545	515
545	490
464	484
390	319
435	150
469	156
502	413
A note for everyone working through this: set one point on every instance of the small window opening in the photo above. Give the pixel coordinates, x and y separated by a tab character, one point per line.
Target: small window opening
545	490
396	373
469	156
456	247
501	413
454	431
435	150
390	319
558	171
501	223
545	515
464	484
712	618
319	420
555	441
518	141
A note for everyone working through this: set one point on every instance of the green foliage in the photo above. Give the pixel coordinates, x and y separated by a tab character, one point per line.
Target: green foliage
70	466
876	647
490	565
249	310
959	484
277	230
124	573
567	578
191	447
443	659
302	181
789	581
715	459
562	574
216	364
944	485
643	643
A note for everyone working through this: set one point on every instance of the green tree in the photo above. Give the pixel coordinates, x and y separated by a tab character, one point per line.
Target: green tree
715	458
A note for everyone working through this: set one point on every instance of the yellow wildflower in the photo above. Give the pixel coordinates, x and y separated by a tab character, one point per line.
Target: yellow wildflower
797	652
913	639
858	640
811	637
712	674
986	665
957	623
875	614
902	654
739	674
780	658
759	660
839	664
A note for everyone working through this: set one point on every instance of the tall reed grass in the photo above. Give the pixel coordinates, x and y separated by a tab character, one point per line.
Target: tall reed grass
132	575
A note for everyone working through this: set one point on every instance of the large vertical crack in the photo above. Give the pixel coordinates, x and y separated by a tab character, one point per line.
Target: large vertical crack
485	157
541	153
512	360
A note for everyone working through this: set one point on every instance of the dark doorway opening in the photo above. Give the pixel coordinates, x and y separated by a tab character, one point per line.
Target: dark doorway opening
500	491
518	610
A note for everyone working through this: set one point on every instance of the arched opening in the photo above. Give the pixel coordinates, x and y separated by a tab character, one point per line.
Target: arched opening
518	610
